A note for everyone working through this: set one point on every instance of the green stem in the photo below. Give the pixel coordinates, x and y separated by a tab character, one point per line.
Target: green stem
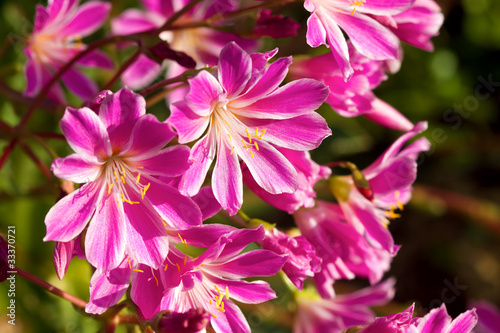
123	68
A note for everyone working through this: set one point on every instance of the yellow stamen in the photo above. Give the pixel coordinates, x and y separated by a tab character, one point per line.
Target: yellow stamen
145	189
139	167
214	316
180	237
251	152
352	13
166	266
230	139
185	245
156	280
164	223
123	179
340	10
109	188
256	145
217	288
129	264
232	150
227	292
138	270
128	201
249	135
123	170
116	177
244	144
219	299
138	178
256	131
185	259
210	302
178	267
261	135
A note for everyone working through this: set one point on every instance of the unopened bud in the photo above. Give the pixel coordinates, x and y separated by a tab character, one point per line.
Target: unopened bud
191	321
275	26
340	188
162	51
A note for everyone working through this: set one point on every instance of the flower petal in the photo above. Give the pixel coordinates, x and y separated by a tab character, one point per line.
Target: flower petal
177	210
464	323
203	94
89	17
232	320
385	7
435	321
106	236
253	263
270	169
202	154
96	58
132	21
85	133
107	288
76	169
69	216
189	125
79	84
141	73
170	162
293	99
62	255
235	68
206	201
243	291
146	292
227	179
316	33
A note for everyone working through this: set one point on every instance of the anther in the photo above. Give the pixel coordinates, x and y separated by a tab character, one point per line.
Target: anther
227	292
156	280
109	188
138	270
178	267
256	145
138	178
129	264
249	135
166	266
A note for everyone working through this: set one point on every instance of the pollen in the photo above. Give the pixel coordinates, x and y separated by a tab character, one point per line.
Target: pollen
128	201
230	139
178	267
249	135
109	188
138	270
251	152
232	150
166	266
227	292
217	288
138	178
156	280
129	264
256	145
185	259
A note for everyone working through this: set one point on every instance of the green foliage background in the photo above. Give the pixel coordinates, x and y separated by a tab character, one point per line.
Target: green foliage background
440	242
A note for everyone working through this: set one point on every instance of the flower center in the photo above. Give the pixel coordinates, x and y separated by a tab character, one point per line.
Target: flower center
47	47
124	180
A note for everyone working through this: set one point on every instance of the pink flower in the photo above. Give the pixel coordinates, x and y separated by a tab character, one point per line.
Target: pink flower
56	38
418	24
368	36
316	315
246	115
354	97
436	321
302	260
308	173
202	44
344	252
210	281
118	158
390	178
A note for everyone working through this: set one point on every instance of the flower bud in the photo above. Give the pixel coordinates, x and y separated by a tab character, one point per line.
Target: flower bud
191	321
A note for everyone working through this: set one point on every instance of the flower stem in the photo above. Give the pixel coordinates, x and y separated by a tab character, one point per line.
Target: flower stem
50	288
43	168
177	15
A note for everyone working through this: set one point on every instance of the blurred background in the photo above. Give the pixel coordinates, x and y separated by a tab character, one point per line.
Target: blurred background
450	231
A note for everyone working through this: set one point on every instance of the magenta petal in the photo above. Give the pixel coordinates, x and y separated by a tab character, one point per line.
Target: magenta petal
106	236
235	67
89	17
41	18
316	33
464	323
63	252
145	292
243	291
107	288
67	218
293	99
189	125
299	133
203	94
401	173
271	78
232	320
239	239
119	113
141	73
177	210
385	7
339	47
386	115
132	21
96	58
75	169
253	263
370	38
79	84
206	201
85	133
148	136
202	154
147	241
435	321
205	235
170	162
33	77
270	169
227	180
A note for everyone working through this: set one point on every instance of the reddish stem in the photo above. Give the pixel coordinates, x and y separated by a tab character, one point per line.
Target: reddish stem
43	168
7	151
50	288
122	69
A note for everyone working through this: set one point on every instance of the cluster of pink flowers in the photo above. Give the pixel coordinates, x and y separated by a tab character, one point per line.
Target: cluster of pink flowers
250	119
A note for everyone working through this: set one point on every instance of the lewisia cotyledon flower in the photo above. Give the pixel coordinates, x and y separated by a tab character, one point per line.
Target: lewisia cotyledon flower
211	281
335	315
242	113
201	43
119	155
436	321
56	38
360	21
